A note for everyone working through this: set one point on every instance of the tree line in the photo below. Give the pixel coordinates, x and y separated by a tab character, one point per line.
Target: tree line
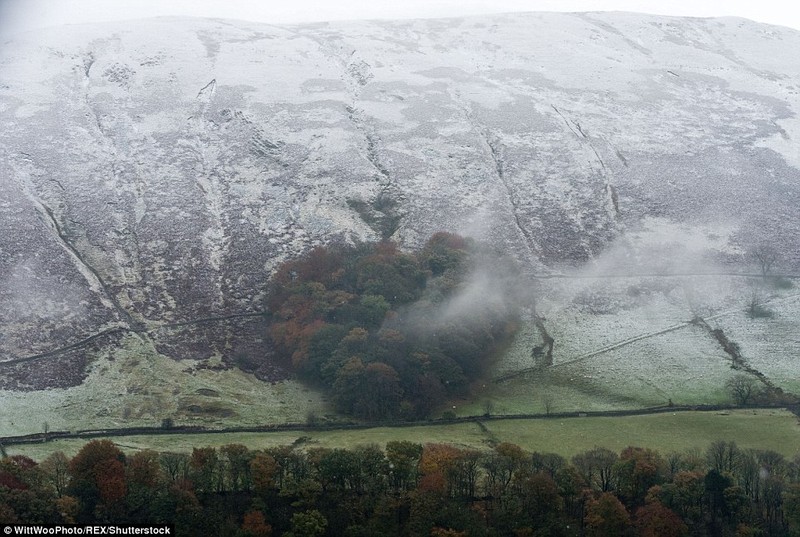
410	489
391	334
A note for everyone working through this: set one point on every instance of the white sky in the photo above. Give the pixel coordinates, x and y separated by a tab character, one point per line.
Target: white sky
22	15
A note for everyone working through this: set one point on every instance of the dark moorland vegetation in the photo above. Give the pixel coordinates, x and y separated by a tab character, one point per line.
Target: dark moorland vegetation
411	489
392	334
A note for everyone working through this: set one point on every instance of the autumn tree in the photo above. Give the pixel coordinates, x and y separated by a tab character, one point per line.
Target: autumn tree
349	380
409	489
22	494
143	469
686	496
255	524
205	469
541	499
655	520
263	468
381	394
55	470
111	482
97	477
187	511
143	474
68	508
637	470
434	464
235	460
607	517
445	252
396	277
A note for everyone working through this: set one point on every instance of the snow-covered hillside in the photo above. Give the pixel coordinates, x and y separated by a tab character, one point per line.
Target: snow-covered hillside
153	173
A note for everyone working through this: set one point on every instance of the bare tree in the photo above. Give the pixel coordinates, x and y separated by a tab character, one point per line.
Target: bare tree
175	465
766	255
741	388
597	467
548	402
723	456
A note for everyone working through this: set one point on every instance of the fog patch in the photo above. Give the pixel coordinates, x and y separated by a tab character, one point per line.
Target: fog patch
660	266
485	297
481	292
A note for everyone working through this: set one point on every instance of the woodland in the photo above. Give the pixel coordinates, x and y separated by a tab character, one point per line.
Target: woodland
411	489
389	334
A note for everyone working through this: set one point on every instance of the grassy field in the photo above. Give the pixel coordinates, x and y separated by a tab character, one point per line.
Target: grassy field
778	430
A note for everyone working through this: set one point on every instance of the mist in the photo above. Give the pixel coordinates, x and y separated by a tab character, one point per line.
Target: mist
478	303
18	16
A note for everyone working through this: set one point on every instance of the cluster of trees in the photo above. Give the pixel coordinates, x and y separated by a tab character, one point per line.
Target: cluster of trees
409	489
391	334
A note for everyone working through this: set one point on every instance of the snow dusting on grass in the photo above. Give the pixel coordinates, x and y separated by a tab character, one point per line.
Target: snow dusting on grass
140	387
771	345
629	343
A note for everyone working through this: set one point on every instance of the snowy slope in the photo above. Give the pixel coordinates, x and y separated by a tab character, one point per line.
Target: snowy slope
154	172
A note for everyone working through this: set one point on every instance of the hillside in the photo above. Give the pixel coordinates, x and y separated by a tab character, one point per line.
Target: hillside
155	174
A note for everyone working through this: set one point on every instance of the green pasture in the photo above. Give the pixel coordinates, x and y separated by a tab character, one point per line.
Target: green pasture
777	429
